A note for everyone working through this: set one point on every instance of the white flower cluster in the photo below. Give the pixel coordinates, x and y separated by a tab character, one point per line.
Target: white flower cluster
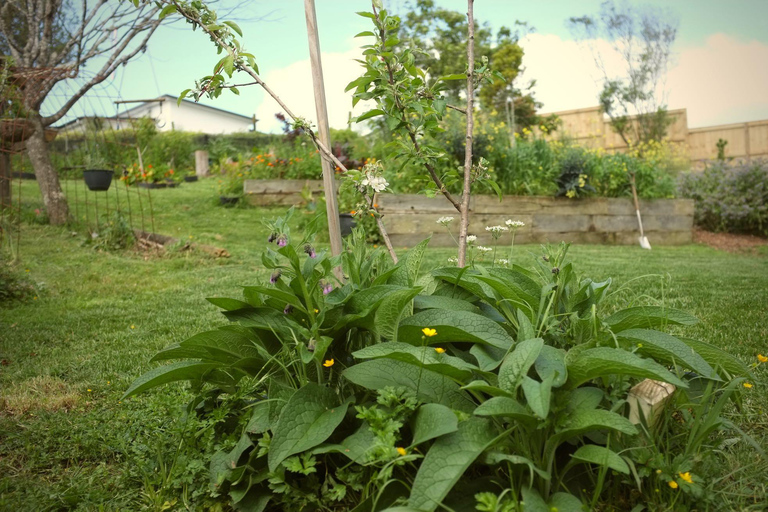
483	249
471	239
514	224
503	262
445	220
453	260
496	229
377	183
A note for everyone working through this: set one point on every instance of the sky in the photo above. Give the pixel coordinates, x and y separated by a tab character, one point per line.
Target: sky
719	71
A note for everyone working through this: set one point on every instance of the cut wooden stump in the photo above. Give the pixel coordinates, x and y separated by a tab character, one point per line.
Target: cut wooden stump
649	397
156	241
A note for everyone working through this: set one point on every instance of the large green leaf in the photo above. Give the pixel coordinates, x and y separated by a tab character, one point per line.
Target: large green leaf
718	358
428	385
564	502
368	298
466	279
506	407
551	362
182	370
259	421
309	418
432	421
507	292
603	361
355	446
664	347
602	456
585	420
453	367
459	326
518	362
440	302
538	395
267	319
488	358
447	460
281	295
409	265
391	311
648	317
226	344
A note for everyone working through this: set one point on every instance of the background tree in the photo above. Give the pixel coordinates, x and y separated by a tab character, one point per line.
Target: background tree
442	34
643	37
50	41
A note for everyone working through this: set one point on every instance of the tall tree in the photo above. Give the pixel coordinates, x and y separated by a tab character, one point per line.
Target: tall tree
442	34
50	41
643	37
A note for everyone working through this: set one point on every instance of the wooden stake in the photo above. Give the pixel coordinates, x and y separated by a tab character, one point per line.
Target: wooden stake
329	183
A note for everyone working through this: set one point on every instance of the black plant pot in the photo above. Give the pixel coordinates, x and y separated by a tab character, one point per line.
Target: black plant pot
190	179
347	223
229	200
98	179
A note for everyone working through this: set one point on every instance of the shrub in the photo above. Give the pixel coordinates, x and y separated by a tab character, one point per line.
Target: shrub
463	388
730	197
13	285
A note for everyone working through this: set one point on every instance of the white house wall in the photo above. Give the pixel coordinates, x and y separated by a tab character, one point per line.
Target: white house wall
190	117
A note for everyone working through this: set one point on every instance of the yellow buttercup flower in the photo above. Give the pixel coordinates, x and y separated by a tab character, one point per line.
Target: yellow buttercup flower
673	484
429	332
317	310
686	476
747	385
328	363
762	358
440	350
402	451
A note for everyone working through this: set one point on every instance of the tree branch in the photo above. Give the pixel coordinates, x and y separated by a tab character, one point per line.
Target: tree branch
324	151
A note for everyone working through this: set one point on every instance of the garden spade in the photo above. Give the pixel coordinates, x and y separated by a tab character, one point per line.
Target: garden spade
644	243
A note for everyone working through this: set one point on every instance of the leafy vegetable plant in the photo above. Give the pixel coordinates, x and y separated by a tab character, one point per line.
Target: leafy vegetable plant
400	390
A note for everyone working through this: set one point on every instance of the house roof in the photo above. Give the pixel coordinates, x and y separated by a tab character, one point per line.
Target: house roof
189	102
126	113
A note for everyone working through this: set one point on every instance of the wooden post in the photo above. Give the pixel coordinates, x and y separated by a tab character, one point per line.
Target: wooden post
201	163
5	180
329	183
747	149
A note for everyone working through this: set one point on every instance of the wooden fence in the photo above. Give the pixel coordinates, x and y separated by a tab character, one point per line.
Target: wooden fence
589	127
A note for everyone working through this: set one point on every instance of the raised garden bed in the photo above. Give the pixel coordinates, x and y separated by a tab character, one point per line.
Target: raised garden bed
279	192
411	218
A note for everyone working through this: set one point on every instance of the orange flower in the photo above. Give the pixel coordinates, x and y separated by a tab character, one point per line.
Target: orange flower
352	212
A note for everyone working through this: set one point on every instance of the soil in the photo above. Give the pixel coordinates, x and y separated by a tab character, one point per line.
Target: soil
728	241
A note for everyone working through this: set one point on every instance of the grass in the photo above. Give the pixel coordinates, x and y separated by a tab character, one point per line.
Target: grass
67	441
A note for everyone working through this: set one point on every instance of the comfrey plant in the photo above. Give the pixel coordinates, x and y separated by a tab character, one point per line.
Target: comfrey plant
451	390
469	388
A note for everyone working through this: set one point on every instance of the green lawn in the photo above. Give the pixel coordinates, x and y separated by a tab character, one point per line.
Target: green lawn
67	441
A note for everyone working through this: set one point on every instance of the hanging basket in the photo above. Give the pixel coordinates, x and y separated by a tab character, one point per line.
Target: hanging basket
98	179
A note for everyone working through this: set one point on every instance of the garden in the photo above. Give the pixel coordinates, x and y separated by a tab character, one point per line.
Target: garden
295	370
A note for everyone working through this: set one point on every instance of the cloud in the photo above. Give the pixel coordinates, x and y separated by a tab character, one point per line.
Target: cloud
723	81
293	84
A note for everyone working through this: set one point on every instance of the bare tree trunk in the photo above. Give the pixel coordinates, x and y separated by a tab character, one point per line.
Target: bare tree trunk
47	179
470	127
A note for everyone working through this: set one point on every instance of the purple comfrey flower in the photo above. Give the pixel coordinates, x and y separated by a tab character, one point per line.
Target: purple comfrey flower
327	288
275	276
288	309
310	251
282	241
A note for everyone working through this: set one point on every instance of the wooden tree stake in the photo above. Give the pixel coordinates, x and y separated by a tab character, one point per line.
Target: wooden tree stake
329	183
